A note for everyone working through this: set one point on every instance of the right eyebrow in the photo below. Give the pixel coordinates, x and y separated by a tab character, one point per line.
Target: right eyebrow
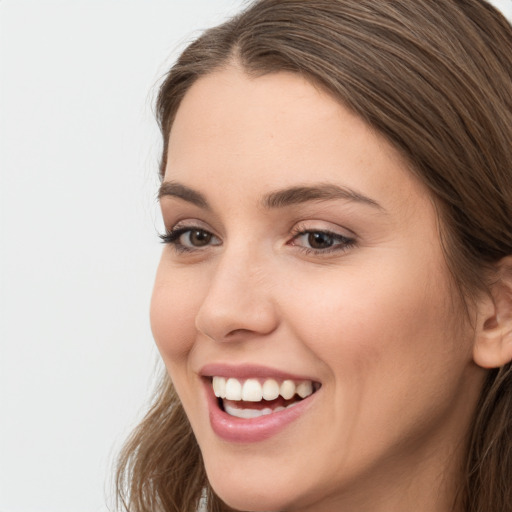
174	189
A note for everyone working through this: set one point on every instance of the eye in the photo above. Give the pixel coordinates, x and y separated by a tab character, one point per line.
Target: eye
196	238
189	238
321	242
318	240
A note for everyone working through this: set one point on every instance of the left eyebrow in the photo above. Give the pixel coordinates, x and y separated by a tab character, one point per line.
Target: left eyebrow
321	192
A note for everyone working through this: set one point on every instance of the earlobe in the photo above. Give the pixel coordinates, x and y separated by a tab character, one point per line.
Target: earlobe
493	337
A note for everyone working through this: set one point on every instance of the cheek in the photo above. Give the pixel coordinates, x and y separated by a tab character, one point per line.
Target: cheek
379	329
393	358
173	309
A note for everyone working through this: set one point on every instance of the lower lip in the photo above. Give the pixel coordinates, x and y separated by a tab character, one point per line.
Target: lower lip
240	430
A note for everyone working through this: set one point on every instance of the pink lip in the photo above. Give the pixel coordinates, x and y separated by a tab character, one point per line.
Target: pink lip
248	371
239	430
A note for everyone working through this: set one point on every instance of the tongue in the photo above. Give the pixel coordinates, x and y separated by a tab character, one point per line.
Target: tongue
272	404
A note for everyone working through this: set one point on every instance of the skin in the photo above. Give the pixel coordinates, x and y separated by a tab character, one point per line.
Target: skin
377	321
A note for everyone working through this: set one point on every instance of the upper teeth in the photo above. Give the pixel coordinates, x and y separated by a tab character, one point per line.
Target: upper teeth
254	390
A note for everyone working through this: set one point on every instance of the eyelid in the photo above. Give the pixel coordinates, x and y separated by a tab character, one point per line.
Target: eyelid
188	222
322	226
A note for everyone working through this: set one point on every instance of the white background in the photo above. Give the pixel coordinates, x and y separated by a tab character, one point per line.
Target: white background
78	235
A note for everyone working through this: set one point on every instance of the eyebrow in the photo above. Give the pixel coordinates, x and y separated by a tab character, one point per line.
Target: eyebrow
278	199
174	189
320	192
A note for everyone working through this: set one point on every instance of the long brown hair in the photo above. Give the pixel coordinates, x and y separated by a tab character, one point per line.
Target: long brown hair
435	78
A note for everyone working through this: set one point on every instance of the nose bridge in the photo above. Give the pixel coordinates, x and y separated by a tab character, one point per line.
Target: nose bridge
239	296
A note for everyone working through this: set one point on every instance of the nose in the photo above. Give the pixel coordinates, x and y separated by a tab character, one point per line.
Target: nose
238	303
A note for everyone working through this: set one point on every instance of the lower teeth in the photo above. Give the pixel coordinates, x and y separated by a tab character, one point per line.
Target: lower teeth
253	413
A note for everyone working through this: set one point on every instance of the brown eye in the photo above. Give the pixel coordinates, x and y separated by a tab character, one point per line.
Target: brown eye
189	239
198	237
320	240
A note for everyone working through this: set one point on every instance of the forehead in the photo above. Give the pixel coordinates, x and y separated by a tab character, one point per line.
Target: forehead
278	130
236	111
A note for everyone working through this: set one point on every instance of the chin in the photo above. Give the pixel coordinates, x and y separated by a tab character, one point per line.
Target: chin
251	500
250	492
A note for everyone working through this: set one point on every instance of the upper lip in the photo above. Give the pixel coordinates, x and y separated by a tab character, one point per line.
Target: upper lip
247	371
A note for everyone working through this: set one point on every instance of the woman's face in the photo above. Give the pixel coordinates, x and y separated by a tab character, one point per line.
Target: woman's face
303	257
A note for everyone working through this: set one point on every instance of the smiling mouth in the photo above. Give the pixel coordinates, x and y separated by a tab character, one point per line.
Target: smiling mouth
252	398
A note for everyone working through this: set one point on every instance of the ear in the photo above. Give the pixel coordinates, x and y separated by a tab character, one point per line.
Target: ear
493	340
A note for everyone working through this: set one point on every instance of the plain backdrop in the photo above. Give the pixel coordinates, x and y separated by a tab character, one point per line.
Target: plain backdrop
79	151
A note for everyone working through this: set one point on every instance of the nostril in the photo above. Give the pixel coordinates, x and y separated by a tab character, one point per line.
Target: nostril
237	332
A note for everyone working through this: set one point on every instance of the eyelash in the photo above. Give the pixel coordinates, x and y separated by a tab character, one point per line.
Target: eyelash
340	243
172	237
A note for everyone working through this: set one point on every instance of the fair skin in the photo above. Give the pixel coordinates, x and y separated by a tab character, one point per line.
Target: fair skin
350	292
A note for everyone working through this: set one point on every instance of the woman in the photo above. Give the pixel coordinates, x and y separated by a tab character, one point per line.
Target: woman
334	300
